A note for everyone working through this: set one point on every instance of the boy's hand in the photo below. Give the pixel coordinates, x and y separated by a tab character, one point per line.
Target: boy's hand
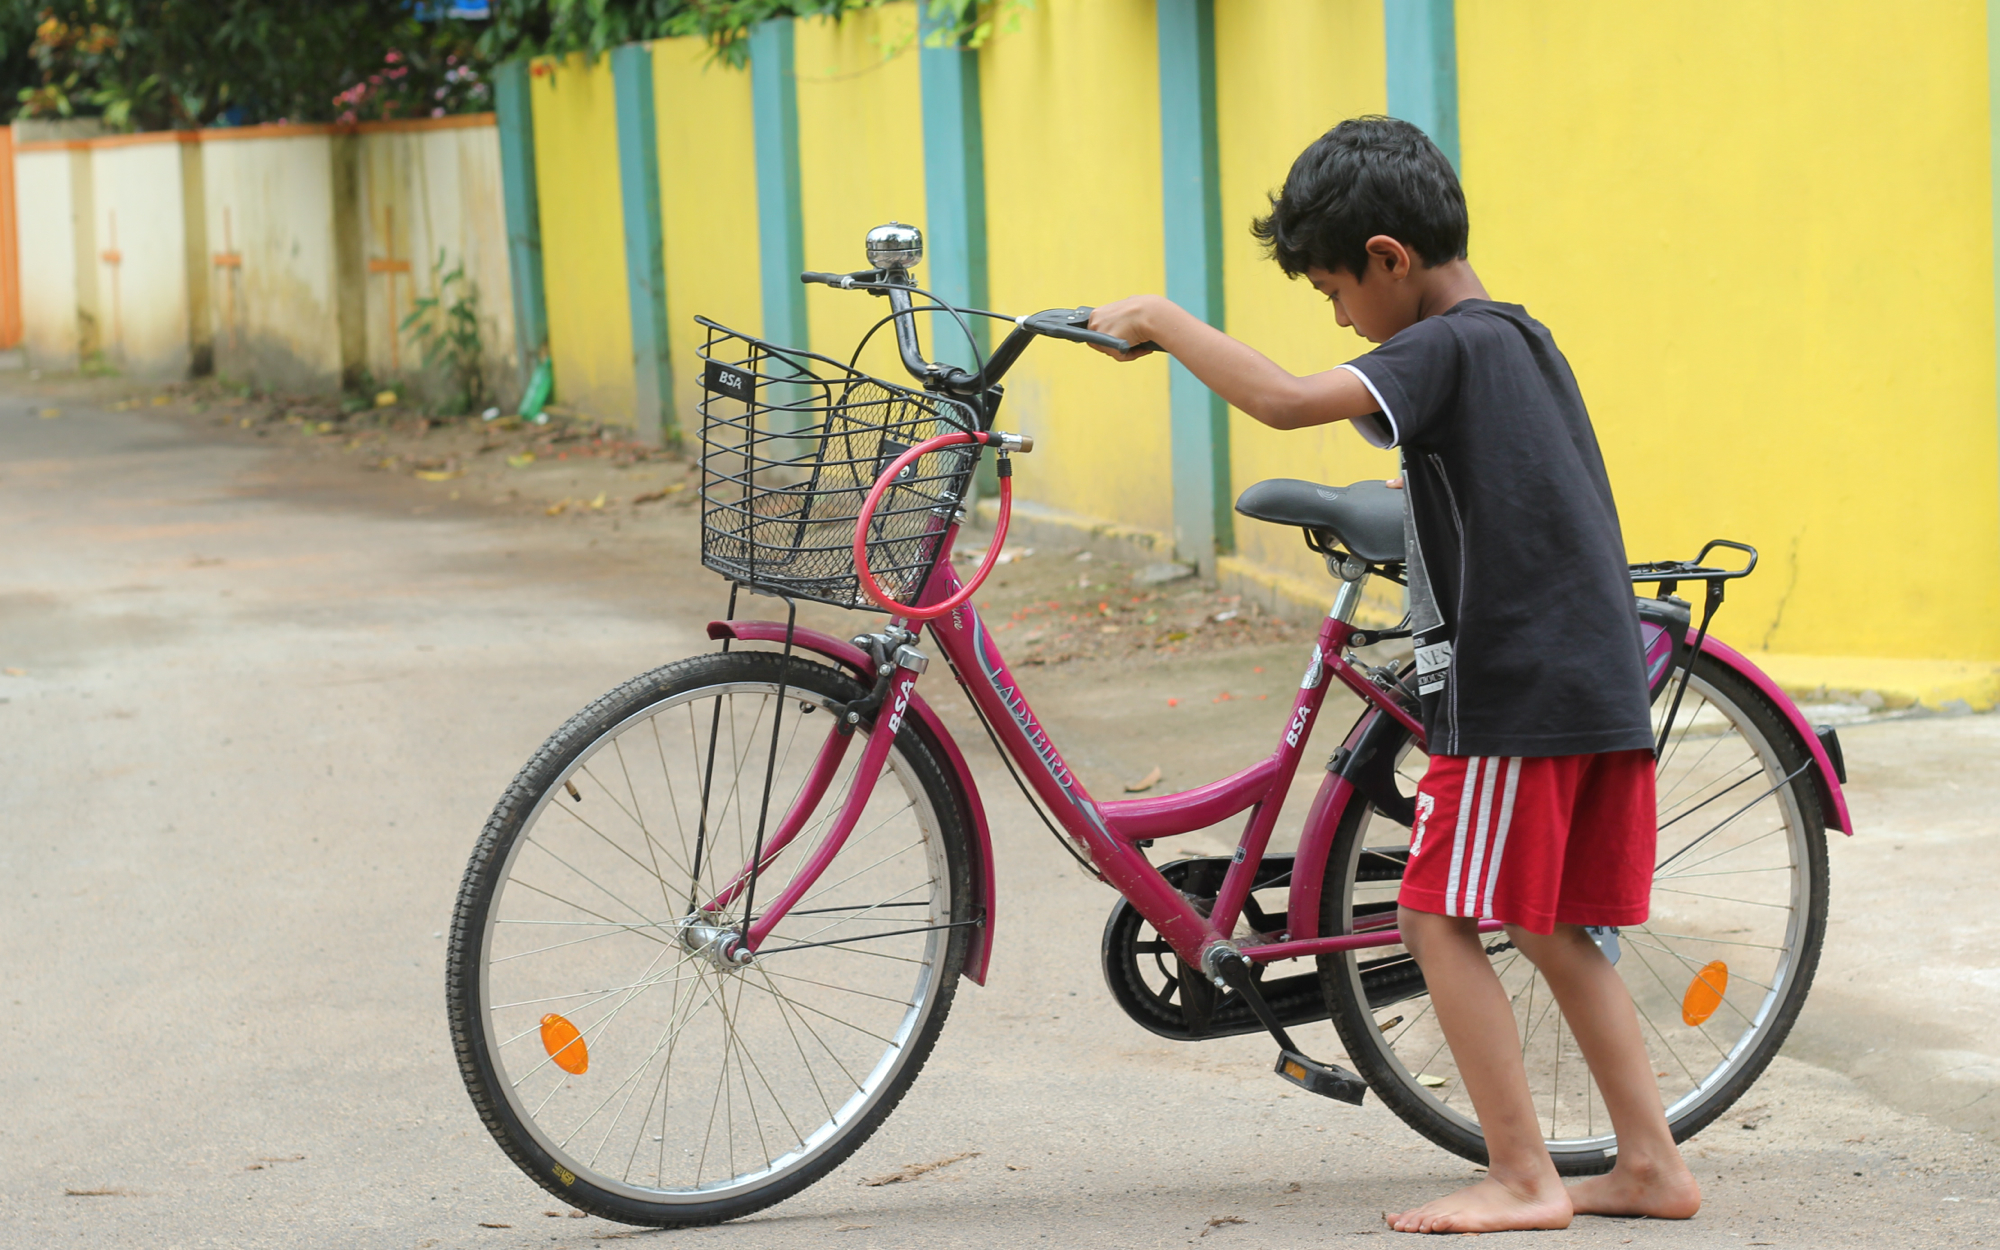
1132	319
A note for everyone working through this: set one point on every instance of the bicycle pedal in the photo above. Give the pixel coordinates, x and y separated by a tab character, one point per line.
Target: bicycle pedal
1325	1079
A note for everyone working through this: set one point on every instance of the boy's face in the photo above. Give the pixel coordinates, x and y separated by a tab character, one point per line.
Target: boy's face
1379	306
1377	309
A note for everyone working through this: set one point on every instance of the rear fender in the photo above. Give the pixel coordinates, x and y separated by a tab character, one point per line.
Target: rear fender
1832	801
980	950
1656	621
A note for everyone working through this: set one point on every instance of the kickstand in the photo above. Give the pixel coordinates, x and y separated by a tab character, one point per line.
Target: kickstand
1329	1080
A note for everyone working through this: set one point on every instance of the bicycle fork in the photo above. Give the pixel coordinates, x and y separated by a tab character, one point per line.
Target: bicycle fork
898	665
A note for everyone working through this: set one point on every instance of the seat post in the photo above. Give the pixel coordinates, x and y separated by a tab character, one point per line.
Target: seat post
1348	601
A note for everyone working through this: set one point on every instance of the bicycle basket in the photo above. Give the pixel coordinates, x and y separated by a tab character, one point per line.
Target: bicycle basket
791	444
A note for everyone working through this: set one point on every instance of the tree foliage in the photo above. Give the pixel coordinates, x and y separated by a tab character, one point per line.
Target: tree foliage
593	27
158	64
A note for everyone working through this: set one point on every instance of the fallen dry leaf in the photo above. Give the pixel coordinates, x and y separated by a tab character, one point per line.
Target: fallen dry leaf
850	1228
439	475
522	460
485	1224
1219	1221
50	414
1144	783
599	501
105	1191
911	1171
14	672
655	496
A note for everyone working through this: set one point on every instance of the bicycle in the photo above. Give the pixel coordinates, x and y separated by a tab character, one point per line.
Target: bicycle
711	931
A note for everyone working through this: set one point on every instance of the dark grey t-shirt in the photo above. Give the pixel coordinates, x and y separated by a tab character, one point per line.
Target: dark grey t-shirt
1526	630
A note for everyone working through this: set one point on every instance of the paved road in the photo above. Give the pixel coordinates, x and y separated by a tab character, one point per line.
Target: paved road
264	704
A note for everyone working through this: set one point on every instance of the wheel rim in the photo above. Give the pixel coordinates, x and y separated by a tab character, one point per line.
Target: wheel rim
717	1080
1731	883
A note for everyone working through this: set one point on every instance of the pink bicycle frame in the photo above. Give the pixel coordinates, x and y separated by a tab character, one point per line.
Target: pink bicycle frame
1108	835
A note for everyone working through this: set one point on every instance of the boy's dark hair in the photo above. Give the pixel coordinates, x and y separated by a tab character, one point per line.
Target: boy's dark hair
1366	176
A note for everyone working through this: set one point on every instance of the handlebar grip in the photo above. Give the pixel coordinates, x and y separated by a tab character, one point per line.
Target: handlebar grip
1074	324
825	279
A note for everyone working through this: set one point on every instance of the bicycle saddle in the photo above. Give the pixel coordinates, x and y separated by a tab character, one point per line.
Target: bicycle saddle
1365	518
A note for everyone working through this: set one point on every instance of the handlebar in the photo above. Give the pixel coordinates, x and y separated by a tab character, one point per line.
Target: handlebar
1071	324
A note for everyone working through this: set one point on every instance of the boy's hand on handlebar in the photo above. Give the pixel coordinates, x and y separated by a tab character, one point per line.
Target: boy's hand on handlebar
1131	319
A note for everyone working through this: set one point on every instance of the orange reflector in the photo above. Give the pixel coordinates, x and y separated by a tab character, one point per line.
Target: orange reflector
565	1045
1704	994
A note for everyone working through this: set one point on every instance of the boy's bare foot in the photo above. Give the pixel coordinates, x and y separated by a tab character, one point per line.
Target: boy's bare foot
1488	1207
1664	1193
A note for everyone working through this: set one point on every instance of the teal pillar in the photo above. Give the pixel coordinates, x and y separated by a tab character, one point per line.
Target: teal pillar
516	121
954	189
774	96
645	257
1191	195
1420	47
955	204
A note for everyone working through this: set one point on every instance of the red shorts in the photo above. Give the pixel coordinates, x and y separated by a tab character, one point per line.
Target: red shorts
1566	839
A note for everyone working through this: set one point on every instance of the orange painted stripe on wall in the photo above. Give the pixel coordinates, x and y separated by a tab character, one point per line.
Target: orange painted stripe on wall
10	247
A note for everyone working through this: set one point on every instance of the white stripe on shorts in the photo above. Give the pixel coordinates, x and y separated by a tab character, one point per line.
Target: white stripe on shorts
1479	833
1476	766
1506	822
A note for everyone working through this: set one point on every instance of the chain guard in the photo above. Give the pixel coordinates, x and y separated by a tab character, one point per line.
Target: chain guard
1166	997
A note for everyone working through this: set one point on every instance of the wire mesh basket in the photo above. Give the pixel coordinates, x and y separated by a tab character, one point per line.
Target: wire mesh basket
791	444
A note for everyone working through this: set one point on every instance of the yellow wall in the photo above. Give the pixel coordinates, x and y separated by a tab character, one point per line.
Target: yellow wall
861	164
1763	236
1275	93
583	238
1071	105
708	197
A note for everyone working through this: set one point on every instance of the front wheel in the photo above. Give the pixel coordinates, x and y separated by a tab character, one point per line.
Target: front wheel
619	1059
1718	972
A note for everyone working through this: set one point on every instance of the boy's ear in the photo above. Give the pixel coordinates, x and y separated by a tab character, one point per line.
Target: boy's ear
1394	259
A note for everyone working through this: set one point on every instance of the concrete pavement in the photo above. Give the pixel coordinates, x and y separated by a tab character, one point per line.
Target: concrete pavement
264	703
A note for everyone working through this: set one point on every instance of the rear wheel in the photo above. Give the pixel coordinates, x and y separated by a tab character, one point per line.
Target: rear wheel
615	1058
1738	906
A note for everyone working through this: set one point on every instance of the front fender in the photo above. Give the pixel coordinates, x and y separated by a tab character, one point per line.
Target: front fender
980	950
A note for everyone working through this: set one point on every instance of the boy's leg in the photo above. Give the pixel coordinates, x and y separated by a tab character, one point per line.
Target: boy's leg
1521	1189
1650	1178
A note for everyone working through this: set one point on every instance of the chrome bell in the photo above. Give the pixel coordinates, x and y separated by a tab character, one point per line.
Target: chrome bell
895	246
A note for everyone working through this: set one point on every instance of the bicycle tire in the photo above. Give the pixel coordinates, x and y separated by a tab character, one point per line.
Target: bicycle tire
1420	1091
505	1069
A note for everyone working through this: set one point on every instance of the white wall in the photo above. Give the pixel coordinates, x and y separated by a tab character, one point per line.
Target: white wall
270	201
439	189
45	209
142	300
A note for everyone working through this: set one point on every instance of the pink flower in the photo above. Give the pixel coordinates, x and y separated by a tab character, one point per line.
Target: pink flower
438	94
451	60
398	73
437	112
393	57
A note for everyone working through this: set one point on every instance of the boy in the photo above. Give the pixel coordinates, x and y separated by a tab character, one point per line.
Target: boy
1538	806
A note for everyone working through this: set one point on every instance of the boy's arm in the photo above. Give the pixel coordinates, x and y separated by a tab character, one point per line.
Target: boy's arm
1249	380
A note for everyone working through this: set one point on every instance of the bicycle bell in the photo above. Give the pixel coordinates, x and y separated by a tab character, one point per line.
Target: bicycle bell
895	246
